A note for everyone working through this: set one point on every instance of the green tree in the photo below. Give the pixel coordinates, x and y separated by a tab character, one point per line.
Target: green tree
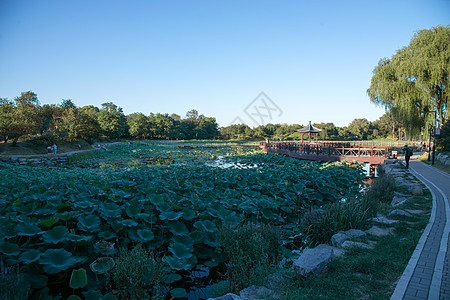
20	117
76	124
416	78
112	121
359	128
138	125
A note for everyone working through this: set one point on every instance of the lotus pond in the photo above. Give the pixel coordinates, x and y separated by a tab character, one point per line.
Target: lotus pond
67	232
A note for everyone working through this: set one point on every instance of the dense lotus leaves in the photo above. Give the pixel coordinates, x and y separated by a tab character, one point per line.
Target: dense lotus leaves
175	209
8	248
56	234
178	228
30	256
57	260
28	229
90	223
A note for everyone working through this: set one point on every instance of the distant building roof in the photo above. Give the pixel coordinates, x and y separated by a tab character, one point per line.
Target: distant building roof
310	128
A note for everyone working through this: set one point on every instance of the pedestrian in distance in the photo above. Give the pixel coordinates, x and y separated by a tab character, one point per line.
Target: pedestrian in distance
54	148
408	154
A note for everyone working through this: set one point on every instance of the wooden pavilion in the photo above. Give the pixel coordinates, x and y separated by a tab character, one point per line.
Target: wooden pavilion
309	129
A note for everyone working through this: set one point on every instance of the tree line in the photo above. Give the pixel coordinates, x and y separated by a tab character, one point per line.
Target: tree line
24	116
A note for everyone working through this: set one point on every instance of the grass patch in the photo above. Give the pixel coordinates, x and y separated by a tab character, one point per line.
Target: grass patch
363	273
437	163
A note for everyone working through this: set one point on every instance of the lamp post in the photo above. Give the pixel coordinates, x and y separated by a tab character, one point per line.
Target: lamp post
432	131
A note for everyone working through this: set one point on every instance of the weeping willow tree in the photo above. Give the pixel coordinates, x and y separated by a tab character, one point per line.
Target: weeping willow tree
415	79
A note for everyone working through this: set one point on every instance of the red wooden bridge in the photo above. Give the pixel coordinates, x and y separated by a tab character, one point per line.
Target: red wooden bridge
371	153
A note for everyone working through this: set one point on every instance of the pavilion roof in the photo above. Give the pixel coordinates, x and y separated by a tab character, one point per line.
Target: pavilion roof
310	128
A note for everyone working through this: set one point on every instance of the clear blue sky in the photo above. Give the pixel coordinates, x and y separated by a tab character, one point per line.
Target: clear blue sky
314	59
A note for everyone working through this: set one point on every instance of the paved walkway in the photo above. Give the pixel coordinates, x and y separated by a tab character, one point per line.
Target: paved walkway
427	275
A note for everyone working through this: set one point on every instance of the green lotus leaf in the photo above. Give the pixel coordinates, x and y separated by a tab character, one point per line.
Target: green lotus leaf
211	263
92	295
49	222
107	235
206	225
30	256
110	210
83	204
56	234
102	265
133	210
170	215
105	247
28	229
267	212
188	214
145	234
157	242
78	238
109	296
65	215
128	222
73	297
197	236
211	239
37	281
172	277
78	279
181	264
185	240
202	252
89	223
8	248
57	260
178	293
181	251
178	228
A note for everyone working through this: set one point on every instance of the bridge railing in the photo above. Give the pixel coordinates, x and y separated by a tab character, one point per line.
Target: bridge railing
327	148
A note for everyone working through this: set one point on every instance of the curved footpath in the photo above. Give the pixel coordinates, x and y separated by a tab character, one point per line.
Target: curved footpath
427	275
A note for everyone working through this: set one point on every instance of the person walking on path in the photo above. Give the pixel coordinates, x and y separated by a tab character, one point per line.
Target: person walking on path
54	148
408	154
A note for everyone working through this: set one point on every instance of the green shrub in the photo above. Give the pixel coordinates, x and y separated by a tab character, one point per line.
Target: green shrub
251	250
319	226
136	272
382	189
